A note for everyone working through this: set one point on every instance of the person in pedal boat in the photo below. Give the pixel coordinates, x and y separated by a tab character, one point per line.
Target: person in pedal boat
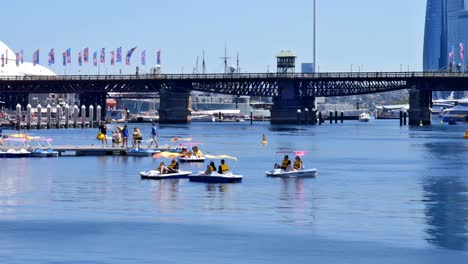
298	164
284	164
173	167
223	168
162	167
197	152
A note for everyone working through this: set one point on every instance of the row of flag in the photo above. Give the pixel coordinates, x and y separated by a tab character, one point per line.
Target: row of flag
83	57
462	52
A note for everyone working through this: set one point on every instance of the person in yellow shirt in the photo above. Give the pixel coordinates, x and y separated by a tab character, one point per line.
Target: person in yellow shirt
284	164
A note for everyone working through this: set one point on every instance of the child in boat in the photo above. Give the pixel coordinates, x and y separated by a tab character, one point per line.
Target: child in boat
161	168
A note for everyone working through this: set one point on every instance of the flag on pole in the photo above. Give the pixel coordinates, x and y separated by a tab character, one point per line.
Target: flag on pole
119	55
3	61
451	53
68	55
95	58
64	58
462	51
6	56
129	56
22	57
86	55
17	59
36	57
51	57
158	60
80	59
143	57
112	53
103	55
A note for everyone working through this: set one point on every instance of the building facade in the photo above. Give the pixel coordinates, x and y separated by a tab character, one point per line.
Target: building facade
445	38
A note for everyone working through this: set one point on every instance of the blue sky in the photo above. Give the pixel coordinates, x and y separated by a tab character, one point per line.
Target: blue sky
372	35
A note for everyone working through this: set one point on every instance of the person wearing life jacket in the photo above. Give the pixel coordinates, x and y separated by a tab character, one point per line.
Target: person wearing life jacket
197	152
284	164
223	168
137	138
173	167
298	165
161	168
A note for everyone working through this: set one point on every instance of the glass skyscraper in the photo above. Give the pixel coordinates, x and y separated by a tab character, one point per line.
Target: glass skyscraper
445	37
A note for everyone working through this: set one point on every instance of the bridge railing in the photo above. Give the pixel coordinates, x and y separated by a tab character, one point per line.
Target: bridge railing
234	76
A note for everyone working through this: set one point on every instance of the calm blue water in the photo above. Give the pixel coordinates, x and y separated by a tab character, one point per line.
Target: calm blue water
385	194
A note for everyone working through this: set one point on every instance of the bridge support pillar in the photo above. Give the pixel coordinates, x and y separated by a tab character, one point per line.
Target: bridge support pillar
420	103
286	105
174	107
94	99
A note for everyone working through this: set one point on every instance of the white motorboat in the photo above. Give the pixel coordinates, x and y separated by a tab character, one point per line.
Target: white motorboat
141	152
364	117
192	159
156	175
305	173
215	177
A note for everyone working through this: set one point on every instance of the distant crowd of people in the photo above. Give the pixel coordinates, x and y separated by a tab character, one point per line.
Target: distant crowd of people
120	136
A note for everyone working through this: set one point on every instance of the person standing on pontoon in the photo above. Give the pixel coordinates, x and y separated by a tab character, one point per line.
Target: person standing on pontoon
103	130
154	134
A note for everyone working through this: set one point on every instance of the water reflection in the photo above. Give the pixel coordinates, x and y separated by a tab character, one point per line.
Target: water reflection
166	194
215	196
293	207
445	196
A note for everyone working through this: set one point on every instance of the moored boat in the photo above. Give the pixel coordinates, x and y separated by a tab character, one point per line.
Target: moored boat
364	117
141	152
215	177
192	159
43	149
156	175
305	173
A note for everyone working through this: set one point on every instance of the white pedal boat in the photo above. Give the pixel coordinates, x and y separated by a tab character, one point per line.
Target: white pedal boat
306	173
215	177
192	159
156	175
141	152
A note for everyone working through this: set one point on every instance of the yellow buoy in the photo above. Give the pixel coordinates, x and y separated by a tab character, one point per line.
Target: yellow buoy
466	134
420	123
264	141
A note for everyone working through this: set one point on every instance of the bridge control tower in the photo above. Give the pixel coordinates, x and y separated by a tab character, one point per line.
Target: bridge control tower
291	106
285	62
